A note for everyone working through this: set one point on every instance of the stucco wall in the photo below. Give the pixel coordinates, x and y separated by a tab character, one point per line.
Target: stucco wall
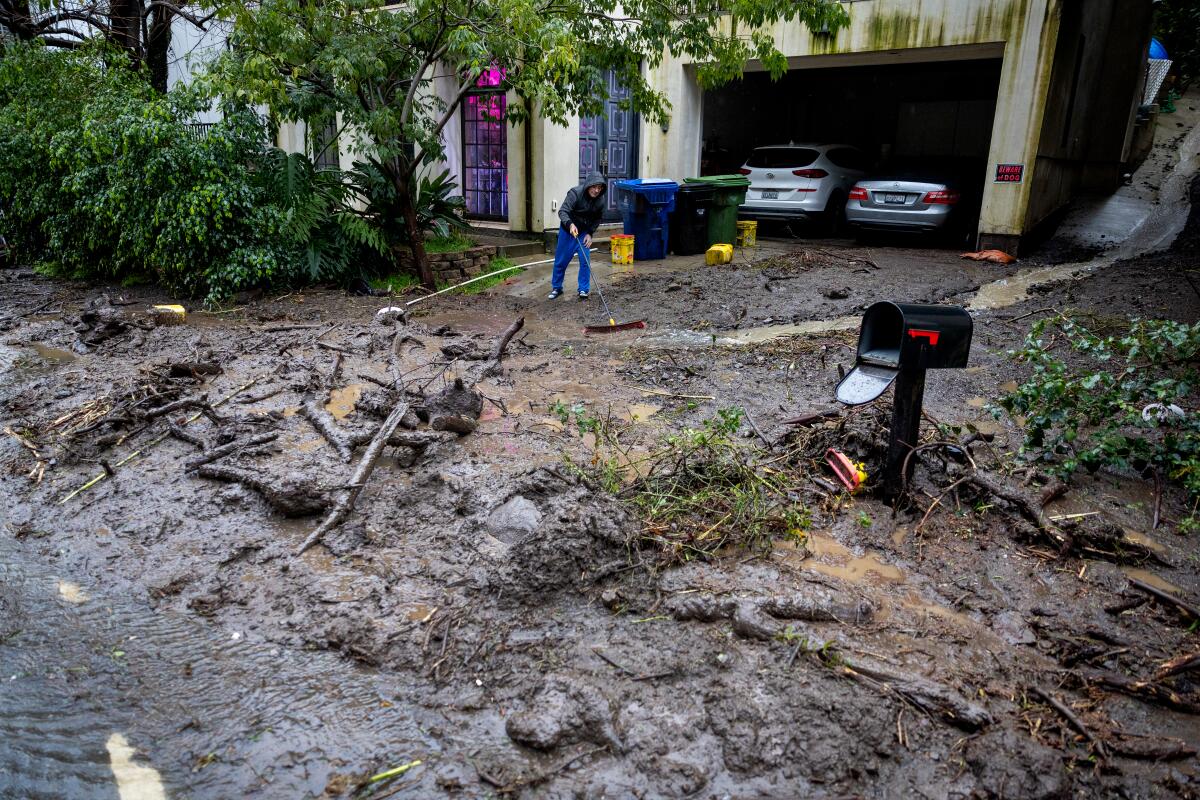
1095	89
191	50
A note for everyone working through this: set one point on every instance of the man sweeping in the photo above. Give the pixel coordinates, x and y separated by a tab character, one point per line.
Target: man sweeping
579	216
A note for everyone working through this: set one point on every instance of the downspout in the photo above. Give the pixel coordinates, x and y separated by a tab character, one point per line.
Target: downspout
528	165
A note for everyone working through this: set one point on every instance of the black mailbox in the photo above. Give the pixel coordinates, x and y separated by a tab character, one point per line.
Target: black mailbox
902	340
904	336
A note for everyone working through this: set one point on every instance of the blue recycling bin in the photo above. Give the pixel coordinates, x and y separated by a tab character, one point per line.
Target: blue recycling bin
646	204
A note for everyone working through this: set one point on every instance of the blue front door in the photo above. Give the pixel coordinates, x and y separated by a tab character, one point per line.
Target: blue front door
608	144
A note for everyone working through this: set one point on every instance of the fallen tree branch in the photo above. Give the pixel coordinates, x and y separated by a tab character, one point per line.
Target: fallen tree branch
493	365
1178	665
153	443
290	498
758	432
1148	691
1026	504
1166	597
637	676
1072	720
417	440
362	473
325	424
1128	604
209	456
1150	748
933	698
180	405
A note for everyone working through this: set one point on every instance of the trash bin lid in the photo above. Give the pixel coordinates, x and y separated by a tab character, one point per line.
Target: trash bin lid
864	383
635	184
698	189
728	181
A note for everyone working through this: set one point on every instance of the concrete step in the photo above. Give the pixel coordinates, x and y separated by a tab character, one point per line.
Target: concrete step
513	250
507	245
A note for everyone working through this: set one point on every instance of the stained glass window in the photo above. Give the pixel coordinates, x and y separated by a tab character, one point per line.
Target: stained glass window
485	148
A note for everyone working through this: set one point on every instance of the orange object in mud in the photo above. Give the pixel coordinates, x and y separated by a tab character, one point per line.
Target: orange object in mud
997	256
850	474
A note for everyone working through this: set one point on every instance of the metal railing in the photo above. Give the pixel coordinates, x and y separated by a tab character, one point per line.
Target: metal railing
198	130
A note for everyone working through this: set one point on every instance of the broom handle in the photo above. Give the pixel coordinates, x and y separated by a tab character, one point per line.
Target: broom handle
583	256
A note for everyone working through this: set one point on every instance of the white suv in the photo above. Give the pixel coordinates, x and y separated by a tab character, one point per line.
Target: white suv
807	182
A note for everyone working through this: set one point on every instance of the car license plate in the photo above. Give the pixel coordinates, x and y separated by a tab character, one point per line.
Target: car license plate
896	199
770	195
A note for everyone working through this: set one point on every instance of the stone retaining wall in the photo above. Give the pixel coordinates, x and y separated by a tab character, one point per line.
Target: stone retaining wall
452	267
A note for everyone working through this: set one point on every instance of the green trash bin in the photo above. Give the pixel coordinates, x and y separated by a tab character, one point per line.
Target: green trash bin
729	193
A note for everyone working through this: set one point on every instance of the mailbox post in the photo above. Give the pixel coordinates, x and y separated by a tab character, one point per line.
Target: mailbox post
897	343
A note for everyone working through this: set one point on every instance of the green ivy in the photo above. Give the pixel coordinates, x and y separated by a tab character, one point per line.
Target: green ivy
1126	402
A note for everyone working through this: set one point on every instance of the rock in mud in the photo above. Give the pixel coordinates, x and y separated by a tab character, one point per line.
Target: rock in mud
514	520
455	400
563	712
578	530
454	423
389	315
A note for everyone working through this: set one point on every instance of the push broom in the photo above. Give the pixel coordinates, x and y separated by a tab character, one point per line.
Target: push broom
612	326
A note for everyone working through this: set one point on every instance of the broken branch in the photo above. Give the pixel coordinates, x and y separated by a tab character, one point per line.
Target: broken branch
1158	594
232	447
1073	720
323	421
358	480
1177	665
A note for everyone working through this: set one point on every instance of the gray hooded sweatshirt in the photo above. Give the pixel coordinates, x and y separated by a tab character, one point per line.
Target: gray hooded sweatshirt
586	212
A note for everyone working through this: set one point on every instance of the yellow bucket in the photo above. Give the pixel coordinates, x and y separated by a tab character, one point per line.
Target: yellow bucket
718	254
747	233
622	248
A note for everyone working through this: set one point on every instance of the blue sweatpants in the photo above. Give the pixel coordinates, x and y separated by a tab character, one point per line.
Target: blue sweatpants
564	251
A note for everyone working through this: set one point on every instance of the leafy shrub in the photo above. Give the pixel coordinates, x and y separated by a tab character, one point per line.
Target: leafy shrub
1117	403
100	177
439	211
320	213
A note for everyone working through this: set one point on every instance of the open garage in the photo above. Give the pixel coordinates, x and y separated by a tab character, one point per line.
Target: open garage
936	110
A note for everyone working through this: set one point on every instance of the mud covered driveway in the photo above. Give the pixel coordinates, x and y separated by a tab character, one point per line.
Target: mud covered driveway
487	613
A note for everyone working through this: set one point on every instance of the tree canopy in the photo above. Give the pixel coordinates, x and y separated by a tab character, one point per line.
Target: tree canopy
140	28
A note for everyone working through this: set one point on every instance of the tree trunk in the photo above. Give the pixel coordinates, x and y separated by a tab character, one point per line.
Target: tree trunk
415	238
126	18
158	46
18	18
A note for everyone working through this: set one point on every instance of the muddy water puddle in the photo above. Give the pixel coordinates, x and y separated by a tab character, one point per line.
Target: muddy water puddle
343	401
16	360
110	697
827	556
536	330
53	355
1148	577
